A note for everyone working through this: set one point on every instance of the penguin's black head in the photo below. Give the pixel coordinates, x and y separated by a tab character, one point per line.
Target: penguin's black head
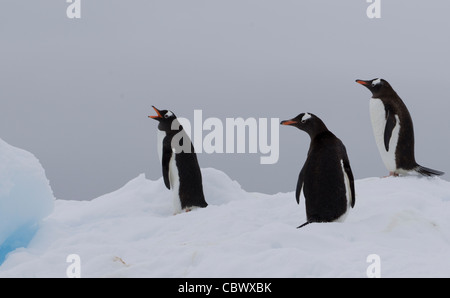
165	118
378	87
307	122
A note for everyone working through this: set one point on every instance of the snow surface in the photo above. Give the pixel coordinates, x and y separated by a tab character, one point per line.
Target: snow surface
25	197
132	232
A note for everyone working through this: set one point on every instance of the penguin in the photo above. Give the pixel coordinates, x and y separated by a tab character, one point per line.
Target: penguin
180	168
393	130
326	177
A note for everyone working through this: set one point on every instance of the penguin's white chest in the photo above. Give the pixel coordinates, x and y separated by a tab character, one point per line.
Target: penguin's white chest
174	177
348	194
378	118
161	136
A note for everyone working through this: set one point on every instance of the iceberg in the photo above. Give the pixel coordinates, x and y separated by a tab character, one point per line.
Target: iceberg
25	198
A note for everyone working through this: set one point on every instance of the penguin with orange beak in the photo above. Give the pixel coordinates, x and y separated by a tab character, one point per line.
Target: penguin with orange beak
180	168
326	178
393	130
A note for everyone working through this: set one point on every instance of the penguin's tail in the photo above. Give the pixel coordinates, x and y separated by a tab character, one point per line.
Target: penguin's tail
301	226
427	171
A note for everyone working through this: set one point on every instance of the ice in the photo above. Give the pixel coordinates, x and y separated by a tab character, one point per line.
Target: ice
25	197
132	232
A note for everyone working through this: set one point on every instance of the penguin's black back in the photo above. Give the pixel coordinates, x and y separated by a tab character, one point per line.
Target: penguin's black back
323	184
404	153
190	177
191	185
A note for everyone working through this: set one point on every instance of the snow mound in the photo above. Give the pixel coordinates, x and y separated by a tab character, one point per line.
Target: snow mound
132	232
25	197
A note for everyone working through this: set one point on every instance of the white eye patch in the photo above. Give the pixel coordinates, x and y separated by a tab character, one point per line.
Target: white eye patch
376	82
168	114
306	117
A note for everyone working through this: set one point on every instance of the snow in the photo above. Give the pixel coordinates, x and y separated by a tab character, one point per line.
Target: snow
25	197
132	232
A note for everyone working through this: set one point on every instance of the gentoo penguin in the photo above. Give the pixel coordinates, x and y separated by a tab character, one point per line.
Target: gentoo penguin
393	129
326	177
180	168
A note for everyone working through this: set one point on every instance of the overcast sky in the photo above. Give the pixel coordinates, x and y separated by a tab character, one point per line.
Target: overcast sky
77	92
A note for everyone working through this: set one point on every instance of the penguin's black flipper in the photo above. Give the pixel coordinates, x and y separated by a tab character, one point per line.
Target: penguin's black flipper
390	124
349	173
427	171
166	155
299	186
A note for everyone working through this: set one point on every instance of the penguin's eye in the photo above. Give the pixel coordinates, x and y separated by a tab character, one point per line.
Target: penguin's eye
376	82
168	114
305	117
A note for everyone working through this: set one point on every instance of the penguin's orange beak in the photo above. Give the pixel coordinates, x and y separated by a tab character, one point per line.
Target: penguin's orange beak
362	82
288	122
157	112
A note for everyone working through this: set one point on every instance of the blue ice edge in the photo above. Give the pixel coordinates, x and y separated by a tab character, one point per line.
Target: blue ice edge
19	238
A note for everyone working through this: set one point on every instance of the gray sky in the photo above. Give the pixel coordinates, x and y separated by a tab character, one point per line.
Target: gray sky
76	93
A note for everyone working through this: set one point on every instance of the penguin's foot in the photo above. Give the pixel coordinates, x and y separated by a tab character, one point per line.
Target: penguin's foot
185	210
191	208
391	174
